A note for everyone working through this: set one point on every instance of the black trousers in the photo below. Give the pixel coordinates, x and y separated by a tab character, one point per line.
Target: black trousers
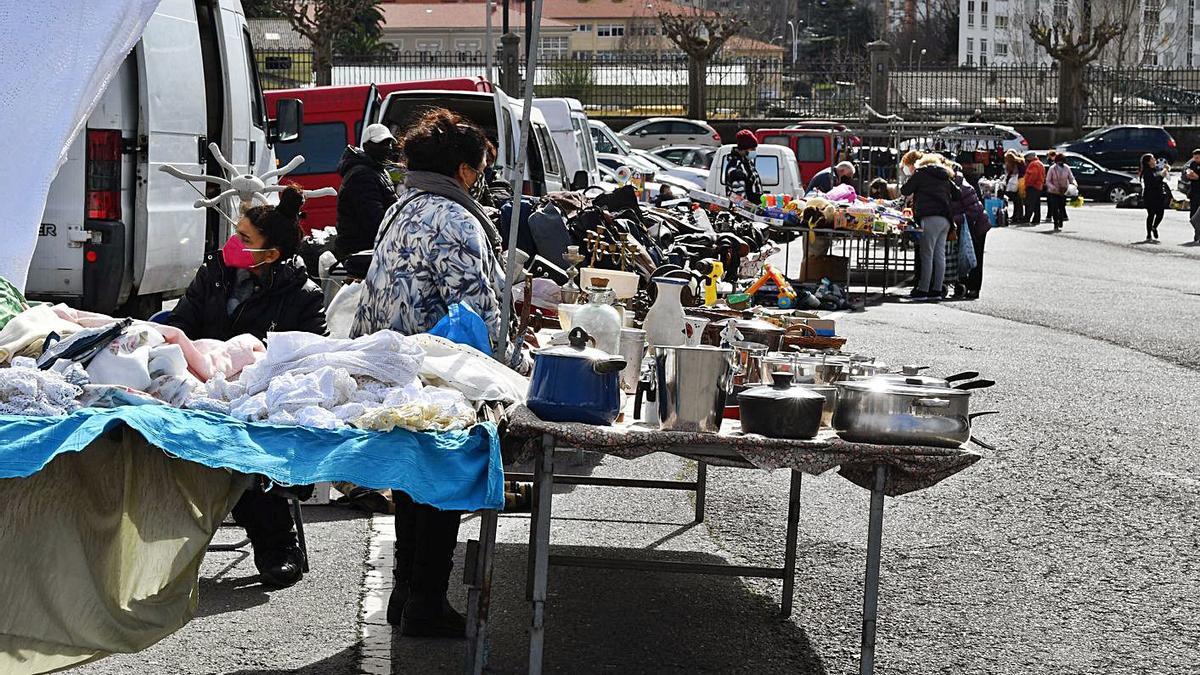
1154	216
1056	205
1033	205
267	519
425	542
975	276
1193	206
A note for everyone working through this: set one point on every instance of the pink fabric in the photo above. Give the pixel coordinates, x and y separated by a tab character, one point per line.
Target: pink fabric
842	193
205	358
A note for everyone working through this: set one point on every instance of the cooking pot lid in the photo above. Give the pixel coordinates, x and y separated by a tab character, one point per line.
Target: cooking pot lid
877	385
576	348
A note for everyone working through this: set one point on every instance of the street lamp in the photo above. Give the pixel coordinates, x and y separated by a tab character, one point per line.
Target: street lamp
910	48
792	26
920	58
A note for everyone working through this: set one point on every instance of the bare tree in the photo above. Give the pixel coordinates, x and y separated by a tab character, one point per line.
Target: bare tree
700	35
1074	45
323	22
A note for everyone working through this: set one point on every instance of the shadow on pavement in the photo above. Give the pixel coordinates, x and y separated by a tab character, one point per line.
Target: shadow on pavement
627	622
345	661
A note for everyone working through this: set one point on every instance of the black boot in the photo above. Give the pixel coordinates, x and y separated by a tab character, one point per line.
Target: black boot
406	543
427	613
272	533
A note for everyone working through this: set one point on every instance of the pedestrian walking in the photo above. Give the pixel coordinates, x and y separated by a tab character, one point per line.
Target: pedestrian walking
1035	184
1059	180
933	192
1014	184
1191	177
1155	193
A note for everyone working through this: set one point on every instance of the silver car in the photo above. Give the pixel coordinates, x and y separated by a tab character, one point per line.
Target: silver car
656	131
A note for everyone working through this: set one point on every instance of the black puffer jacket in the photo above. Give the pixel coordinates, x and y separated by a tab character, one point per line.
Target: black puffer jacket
288	300
365	194
932	191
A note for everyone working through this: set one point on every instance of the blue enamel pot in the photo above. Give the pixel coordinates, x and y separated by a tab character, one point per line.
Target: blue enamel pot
576	383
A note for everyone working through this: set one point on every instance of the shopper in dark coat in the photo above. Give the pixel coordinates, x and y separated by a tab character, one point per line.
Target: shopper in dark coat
968	211
1155	194
258	285
1191	174
933	192
366	192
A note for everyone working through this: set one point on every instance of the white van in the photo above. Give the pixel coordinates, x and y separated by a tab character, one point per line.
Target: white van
497	114
569	126
777	169
118	235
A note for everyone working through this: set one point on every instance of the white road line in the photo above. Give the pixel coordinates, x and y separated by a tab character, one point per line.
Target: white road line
376	633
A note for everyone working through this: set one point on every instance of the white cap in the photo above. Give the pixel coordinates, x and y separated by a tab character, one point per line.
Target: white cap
377	133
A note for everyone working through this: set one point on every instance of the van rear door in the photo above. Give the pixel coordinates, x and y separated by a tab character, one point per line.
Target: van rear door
169	231
372	107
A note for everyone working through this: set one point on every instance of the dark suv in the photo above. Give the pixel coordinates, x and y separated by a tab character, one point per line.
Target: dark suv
1121	147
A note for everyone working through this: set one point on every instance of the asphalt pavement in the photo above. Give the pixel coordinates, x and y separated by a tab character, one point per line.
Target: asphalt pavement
1071	548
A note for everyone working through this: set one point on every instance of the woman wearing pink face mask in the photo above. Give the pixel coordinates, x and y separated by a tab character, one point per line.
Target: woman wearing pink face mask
256	284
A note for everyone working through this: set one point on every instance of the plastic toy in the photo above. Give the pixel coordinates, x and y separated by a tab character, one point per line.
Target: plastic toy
787	295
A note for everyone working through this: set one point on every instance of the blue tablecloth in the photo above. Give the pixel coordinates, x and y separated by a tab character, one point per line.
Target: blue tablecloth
453	470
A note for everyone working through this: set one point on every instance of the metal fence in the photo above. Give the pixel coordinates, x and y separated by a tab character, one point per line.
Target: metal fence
638	84
1029	94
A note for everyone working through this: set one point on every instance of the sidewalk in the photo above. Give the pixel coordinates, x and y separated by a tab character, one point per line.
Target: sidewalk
1106	224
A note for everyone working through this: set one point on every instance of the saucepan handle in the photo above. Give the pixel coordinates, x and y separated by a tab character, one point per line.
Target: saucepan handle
931	403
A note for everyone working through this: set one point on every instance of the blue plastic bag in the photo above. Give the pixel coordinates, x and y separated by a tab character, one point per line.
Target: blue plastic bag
991	206
462	325
966	252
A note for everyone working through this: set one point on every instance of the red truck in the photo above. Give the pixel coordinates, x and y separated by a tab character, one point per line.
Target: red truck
332	120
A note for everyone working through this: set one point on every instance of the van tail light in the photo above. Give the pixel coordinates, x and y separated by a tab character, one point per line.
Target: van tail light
527	189
102	174
1170	142
1024	142
716	137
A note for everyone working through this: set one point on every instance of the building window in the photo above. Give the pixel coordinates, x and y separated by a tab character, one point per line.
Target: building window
583	28
580	55
1060	7
1001	22
970	13
610	30
429	45
468	45
1001	49
983	8
983	20
554	47
970	46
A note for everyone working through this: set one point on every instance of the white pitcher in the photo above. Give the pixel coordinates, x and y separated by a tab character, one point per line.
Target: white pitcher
665	324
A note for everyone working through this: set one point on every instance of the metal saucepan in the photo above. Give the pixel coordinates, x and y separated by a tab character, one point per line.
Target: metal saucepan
894	413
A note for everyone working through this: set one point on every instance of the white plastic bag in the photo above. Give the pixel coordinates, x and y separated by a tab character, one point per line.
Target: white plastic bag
1072	191
340	314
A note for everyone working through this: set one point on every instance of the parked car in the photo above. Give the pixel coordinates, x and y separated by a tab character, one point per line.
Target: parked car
693	156
1121	147
333	120
606	140
119	236
969	137
777	169
814	149
569	127
498	115
841	129
639	165
697	176
1099	183
656	131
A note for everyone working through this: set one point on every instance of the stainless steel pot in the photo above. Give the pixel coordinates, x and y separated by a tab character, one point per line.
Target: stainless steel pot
878	411
830	392
748	358
692	384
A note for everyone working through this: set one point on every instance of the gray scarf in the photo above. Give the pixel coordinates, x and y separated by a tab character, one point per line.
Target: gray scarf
445	186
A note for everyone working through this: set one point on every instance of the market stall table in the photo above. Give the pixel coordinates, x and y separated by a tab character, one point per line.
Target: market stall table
883	469
865	252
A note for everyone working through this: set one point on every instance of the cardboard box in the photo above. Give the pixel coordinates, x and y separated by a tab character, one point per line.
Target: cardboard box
833	267
826	327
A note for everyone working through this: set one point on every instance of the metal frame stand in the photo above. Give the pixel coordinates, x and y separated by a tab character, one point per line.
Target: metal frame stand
540	559
871	583
477	570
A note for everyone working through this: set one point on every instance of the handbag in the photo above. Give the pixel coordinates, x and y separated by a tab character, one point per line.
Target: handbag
966	253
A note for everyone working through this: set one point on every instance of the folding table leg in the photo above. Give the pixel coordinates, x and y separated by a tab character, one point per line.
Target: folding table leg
701	488
540	528
789	555
479	597
871	586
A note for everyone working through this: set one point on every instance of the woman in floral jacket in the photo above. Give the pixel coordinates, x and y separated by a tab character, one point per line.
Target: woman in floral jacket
435	248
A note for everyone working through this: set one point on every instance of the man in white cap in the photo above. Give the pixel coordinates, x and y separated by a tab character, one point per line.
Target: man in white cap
366	191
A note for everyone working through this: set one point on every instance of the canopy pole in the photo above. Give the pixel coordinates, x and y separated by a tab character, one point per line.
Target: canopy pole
489	48
518	177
